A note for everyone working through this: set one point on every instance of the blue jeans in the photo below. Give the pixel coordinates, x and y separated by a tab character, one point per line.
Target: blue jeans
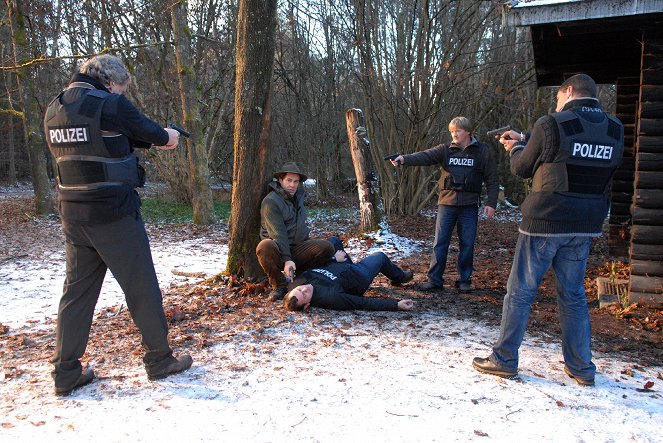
369	267
533	257
465	219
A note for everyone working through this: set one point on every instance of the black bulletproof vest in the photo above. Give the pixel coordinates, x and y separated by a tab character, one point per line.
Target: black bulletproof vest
75	138
462	170
591	151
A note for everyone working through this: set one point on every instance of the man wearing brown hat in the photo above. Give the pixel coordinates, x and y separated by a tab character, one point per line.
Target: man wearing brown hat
285	247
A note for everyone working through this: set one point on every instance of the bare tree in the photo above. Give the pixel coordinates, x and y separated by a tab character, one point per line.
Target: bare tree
256	30
29	115
201	194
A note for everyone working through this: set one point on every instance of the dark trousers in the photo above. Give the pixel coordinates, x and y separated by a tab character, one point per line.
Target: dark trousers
306	255
123	247
369	267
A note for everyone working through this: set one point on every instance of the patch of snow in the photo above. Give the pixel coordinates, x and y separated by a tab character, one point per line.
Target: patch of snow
349	376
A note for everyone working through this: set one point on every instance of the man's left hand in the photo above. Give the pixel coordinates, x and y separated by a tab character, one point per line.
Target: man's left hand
489	212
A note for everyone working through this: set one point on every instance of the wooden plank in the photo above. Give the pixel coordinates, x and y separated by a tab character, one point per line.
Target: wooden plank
641	283
647	216
645	298
652	76
622	197
647	234
652	268
651	110
648	180
648	198
651	126
646	252
650	143
652	93
649	161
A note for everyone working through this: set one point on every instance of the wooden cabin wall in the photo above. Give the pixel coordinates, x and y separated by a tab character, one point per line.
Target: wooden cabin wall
646	249
619	233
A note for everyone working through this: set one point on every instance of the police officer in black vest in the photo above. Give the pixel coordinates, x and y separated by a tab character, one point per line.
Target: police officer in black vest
571	156
465	165
92	130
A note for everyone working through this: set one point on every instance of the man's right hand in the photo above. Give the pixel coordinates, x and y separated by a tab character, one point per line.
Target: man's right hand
289	269
398	161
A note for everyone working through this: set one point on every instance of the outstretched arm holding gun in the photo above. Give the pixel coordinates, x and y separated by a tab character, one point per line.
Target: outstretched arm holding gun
395	159
506	133
174	132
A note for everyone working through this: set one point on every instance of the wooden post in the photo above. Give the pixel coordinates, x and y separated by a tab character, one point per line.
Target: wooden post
370	210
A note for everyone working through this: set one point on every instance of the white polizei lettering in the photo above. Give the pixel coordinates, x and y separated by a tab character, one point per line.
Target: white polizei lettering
457	161
588	150
68	135
326	273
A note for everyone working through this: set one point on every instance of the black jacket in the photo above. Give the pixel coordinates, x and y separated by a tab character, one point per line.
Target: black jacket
335	286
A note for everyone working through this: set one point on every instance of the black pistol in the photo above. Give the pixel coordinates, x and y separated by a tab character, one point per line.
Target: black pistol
499	131
391	156
183	132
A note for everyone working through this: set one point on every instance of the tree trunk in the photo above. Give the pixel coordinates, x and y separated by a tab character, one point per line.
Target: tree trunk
201	194
370	208
30	115
256	30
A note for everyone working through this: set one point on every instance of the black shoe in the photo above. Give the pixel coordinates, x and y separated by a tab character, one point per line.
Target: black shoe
485	365
430	286
179	365
87	375
277	294
465	287
580	381
407	277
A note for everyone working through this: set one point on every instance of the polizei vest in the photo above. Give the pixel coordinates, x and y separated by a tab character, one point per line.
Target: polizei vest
588	156
75	138
462	169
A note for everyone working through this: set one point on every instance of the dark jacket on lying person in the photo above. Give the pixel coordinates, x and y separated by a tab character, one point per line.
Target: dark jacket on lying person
341	285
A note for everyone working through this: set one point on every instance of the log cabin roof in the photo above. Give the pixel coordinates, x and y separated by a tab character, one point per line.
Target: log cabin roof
598	37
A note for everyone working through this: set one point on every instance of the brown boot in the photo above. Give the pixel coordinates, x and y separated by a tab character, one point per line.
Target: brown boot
87	375
175	367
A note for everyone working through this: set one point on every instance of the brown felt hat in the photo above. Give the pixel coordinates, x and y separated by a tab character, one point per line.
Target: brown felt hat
290	167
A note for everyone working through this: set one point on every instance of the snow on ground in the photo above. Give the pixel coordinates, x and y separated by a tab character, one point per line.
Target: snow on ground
356	376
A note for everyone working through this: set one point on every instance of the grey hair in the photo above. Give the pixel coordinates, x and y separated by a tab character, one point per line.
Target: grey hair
107	69
462	123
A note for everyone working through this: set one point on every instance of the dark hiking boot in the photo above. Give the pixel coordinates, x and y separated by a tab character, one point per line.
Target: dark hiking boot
87	375
486	366
178	365
430	286
407	277
277	294
465	287
580	381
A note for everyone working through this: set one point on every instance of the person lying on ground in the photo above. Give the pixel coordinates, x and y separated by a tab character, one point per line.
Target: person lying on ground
340	285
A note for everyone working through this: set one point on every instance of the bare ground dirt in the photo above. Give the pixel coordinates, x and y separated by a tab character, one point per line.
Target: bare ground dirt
223	307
